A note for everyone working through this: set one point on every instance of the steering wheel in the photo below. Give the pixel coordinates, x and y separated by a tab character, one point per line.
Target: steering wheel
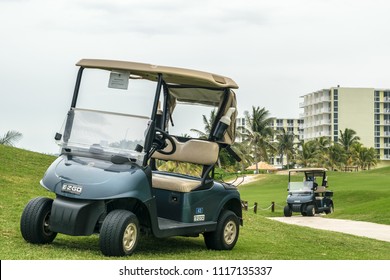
160	141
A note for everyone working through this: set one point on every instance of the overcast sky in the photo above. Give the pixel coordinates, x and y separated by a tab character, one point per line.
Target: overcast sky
275	50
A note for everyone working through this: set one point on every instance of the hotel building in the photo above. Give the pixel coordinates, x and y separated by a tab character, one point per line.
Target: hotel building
365	110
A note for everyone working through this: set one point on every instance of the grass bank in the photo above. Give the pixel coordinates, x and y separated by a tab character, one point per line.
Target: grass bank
260	238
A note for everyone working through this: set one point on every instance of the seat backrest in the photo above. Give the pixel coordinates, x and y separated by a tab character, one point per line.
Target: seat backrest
193	151
320	189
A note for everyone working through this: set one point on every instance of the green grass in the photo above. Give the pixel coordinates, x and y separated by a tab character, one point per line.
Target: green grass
260	238
360	196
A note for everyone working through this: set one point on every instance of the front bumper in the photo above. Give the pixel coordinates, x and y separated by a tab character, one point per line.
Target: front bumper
75	217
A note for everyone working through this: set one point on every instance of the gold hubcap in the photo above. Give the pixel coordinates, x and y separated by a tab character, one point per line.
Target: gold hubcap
129	237
230	232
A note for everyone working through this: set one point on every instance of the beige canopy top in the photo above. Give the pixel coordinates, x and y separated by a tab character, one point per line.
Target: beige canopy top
184	85
172	75
314	169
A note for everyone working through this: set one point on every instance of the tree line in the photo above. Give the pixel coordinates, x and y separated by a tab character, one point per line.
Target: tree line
260	142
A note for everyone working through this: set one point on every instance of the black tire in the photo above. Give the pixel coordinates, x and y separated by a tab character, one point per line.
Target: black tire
287	211
226	235
310	210
331	209
34	223
119	234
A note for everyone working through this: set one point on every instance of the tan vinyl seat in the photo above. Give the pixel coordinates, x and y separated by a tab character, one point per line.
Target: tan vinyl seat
319	192
174	183
320	189
194	151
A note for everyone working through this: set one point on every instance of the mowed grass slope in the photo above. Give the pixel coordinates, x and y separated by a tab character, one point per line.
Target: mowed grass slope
260	238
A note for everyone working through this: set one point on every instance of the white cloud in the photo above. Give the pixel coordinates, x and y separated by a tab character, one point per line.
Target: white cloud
275	50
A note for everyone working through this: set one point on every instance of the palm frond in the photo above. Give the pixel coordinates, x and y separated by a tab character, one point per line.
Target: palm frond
11	137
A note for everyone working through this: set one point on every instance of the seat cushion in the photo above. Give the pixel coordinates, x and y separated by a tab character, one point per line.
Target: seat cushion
174	183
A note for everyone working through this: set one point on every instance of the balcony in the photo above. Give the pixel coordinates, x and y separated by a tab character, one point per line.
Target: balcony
319	111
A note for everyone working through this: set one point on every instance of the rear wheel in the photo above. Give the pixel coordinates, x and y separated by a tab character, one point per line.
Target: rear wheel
226	235
330	210
119	234
287	211
310	210
34	223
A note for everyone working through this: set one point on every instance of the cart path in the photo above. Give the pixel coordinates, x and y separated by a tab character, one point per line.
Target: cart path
364	229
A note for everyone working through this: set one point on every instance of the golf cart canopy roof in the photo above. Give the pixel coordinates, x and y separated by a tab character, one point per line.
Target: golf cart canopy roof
171	75
314	171
182	85
307	170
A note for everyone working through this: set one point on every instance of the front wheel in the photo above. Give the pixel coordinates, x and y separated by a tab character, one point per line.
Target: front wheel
311	210
226	235
119	234
34	223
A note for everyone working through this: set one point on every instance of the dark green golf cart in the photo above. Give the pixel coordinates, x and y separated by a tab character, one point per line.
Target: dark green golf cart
308	194
114	174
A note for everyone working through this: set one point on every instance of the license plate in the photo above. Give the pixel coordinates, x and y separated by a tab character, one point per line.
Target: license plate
199	218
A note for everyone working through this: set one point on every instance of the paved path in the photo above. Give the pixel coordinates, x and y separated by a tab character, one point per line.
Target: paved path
365	229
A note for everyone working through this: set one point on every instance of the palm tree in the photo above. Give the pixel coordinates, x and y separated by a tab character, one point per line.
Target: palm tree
364	157
371	158
244	152
307	155
285	144
335	157
322	143
208	124
258	133
348	138
10	138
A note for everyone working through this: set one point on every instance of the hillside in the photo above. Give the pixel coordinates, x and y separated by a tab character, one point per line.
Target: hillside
260	238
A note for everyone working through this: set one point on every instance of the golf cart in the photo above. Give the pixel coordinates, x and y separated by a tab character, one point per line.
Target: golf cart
310	195
107	178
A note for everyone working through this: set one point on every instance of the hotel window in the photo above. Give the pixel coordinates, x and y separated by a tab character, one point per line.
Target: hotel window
386	107
377	108
387	153
386	96
377	142
387	130
377	119
386	119
386	142
377	131
377	97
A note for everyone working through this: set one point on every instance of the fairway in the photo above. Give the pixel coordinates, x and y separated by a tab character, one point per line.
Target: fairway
358	196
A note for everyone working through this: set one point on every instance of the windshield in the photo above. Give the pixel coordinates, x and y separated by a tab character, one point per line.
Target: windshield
114	91
104	133
298	187
111	115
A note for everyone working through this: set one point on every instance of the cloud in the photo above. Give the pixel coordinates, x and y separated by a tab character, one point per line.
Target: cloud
275	50
148	17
